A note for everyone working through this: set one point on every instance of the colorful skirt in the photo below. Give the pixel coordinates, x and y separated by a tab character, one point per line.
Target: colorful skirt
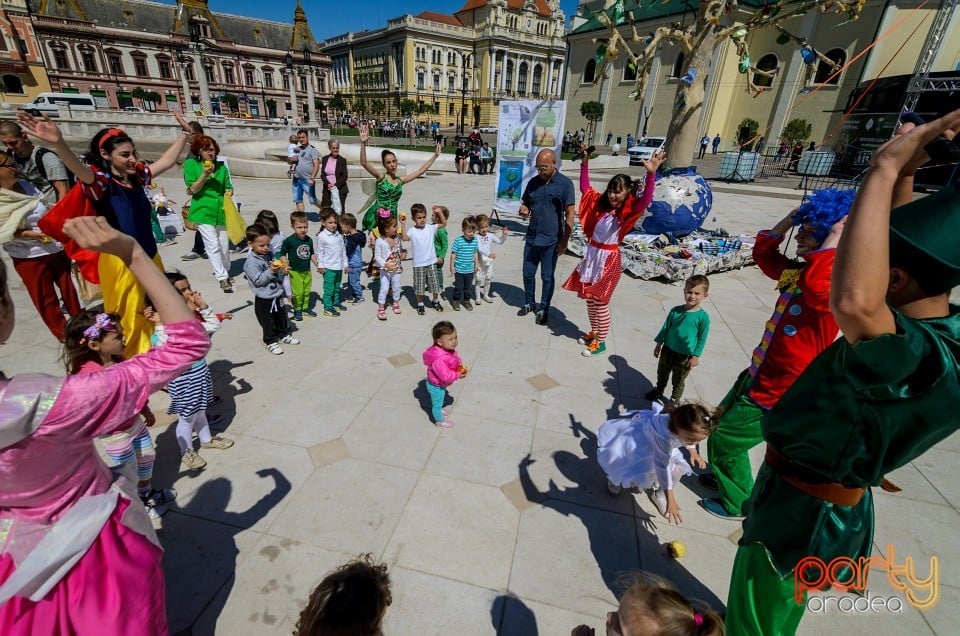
602	289
191	391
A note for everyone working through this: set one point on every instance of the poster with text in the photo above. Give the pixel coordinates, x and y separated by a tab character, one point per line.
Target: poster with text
524	129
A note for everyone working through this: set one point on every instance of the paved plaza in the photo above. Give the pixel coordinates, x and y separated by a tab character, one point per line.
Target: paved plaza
335	454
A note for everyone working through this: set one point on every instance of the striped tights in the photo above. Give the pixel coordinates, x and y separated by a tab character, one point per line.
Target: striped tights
599	314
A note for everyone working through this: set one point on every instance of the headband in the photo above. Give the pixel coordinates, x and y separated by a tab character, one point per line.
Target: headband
102	324
110	134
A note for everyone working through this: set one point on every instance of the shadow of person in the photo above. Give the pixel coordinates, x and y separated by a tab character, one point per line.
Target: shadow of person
200	551
626	386
227	386
423	398
510	616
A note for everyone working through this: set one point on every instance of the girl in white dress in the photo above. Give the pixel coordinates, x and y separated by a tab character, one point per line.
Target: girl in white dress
641	450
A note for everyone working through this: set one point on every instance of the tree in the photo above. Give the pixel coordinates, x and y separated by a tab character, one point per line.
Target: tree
407	107
360	106
796	130
592	112
141	94
231	100
377	107
426	109
272	107
697	41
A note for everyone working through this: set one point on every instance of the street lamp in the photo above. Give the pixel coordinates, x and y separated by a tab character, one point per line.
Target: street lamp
288	60
463	89
311	98
263	95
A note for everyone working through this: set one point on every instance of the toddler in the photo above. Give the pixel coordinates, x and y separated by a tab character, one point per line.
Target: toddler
681	339
353	242
422	237
331	261
264	276
350	600
269	220
444	367
388	255
293	155
641	449
652	606
297	250
441	242
485	257
463	264
93	342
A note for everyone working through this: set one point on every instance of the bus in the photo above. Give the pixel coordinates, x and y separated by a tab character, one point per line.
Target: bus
50	103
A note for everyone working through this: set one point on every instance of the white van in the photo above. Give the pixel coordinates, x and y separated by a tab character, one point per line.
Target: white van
50	103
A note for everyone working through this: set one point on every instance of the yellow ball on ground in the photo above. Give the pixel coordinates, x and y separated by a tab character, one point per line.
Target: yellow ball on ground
676	549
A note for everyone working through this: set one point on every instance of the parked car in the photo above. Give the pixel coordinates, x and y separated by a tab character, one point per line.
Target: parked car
488	129
644	149
133	109
49	103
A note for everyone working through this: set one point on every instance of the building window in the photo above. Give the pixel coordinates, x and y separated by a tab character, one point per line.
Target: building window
450	110
451	83
22	46
140	66
228	75
768	62
537	79
60	58
436	82
189	71
508	84
209	73
824	71
89	61
286	81
164	66
268	79
590	71
522	79
303	83
12	84
678	66
421	84
3	44
248	77
116	64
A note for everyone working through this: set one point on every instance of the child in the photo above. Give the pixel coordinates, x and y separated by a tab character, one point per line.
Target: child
463	264
353	242
652	606
441	242
642	450
331	261
264	276
293	155
388	254
269	220
444	367
94	342
350	600
681	339
485	257
422	237
192	391
297	250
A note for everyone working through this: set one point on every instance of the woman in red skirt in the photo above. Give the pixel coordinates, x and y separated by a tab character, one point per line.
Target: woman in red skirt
605	219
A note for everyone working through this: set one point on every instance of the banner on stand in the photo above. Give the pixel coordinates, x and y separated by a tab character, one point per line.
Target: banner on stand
524	129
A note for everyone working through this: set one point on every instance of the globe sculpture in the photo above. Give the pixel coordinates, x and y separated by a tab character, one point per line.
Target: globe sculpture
682	199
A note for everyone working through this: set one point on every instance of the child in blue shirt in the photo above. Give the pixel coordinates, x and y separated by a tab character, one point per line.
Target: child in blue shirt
463	264
354	242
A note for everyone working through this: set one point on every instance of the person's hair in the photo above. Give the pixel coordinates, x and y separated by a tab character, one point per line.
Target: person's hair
924	270
697	279
692	417
443	328
444	211
75	352
822	209
269	220
386	222
303	131
418	208
106	139
618	183
326	213
349	220
468	223
350	601
293	139
255	231
8	127
298	215
482	219
175	277
201	142
196	127
386	153
651	599
330	143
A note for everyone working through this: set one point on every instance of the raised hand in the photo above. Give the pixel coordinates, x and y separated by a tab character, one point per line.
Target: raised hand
183	122
655	161
905	152
95	234
436	153
42	129
364	133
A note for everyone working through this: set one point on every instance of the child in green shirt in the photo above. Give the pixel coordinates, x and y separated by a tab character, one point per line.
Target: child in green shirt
681	339
441	242
299	252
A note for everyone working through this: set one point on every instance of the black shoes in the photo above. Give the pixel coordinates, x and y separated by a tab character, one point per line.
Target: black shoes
653	394
526	309
542	316
708	480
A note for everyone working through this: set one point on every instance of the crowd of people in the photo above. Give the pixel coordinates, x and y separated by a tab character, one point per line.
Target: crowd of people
837	414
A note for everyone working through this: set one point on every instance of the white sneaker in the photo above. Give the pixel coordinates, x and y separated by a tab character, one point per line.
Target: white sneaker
660	499
274	348
289	340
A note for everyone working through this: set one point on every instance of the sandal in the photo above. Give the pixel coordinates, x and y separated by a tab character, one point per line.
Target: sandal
396	308
382	313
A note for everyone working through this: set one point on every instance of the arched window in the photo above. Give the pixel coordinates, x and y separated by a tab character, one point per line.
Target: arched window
824	71
508	84
12	84
590	71
537	79
768	62
522	79
678	66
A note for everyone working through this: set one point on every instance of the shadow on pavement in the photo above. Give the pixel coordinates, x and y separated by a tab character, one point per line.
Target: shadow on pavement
510	616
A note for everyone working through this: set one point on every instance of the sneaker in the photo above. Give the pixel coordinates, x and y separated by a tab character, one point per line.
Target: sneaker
446	412
331	313
421	310
455	304
310	312
190	256
477	302
154	511
488	299
444	424
340	307
297	315
595	348
226	286
587	338
709	480
396	308
613	489
659	498
653	394
382	313
274	348
218	443
468	305
290	340
192	460
542	316
714	506
437	306
526	309
158	496
241	249
357	300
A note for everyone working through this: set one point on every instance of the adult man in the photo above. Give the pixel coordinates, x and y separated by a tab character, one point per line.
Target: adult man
716	143
486	156
704	142
49	175
877	399
305	174
548	201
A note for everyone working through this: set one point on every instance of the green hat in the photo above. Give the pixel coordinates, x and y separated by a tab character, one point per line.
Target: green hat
931	226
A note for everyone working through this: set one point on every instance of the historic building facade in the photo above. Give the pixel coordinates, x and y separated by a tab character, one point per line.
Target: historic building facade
22	74
461	65
182	56
799	90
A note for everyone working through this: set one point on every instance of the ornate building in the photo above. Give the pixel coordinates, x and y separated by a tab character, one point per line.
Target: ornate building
461	65
22	74
182	55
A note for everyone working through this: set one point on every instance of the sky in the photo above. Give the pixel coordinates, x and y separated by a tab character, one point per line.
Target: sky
328	18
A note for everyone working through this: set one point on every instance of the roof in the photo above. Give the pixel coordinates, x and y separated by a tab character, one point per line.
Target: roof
516	5
644	10
433	16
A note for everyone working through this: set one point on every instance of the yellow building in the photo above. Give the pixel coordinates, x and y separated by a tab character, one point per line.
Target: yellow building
22	73
799	90
457	66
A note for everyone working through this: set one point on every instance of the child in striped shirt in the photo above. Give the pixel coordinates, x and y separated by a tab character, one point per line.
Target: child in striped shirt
463	264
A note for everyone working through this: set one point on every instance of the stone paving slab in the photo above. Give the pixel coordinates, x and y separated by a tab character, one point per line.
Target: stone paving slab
336	456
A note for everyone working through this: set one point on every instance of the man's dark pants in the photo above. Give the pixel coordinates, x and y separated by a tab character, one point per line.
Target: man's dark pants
544	257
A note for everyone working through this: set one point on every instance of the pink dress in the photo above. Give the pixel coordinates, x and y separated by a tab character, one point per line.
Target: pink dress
77	553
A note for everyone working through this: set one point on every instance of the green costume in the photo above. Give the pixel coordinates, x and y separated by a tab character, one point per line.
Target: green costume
441	243
387	196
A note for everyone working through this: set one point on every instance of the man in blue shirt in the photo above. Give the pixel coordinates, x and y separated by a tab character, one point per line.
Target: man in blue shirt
548	201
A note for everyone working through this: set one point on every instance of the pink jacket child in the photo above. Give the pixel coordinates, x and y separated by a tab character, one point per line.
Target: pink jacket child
444	367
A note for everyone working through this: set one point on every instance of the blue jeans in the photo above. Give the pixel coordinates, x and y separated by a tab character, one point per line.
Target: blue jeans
437	395
544	257
353	277
301	186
